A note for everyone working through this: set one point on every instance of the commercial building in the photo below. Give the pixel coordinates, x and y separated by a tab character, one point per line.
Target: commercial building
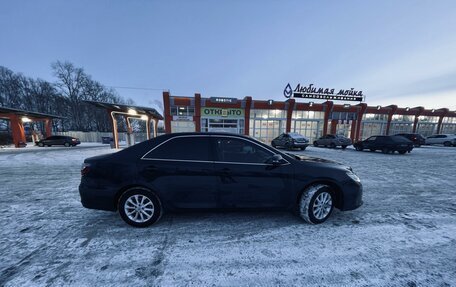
265	120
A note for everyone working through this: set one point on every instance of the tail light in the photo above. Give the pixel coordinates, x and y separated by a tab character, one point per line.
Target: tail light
85	169
73	139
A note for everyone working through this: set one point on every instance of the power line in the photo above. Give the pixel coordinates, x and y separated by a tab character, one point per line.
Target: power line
138	88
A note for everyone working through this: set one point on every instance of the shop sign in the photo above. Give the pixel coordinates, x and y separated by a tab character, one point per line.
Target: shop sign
223	100
311	92
221	112
183	118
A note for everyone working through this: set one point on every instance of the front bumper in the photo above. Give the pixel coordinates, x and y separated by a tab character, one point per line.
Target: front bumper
352	196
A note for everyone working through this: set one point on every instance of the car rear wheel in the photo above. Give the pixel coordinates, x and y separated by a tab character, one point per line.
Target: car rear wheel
316	204
67	144
332	145
402	151
41	144
372	149
303	148
139	207
447	144
358	148
385	150
315	144
344	147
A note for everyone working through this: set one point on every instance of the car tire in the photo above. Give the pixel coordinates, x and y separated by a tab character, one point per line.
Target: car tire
288	146
273	145
315	144
385	150
41	144
67	144
332	145
358	148
316	204
139	207
447	143
344	147
303	148
49	145
402	151
372	149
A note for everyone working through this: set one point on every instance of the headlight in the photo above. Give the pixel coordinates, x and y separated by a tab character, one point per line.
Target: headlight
353	176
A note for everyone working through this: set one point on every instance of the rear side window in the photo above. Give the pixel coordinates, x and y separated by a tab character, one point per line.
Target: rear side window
183	148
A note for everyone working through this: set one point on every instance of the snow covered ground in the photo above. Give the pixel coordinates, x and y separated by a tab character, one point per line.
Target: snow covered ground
403	235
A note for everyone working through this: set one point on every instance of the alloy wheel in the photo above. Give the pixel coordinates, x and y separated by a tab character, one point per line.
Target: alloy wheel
139	208
322	205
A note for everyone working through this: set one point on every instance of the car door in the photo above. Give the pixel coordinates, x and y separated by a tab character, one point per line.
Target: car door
181	170
369	143
245	180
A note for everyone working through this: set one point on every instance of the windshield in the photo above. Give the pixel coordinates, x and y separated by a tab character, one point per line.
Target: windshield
296	136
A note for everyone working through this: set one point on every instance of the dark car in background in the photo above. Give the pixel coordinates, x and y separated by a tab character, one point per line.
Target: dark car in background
290	141
333	141
386	144
417	139
58	140
214	171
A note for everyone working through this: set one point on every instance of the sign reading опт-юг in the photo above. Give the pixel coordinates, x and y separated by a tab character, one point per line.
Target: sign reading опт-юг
311	92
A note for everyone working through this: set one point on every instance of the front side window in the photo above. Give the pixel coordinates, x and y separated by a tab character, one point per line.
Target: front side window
183	148
241	151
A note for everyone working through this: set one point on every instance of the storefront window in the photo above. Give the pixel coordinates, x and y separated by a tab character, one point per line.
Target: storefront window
308	123
265	125
373	124
182	111
449	125
427	125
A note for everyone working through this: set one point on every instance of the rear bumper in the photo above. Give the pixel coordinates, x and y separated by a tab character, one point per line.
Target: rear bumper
97	198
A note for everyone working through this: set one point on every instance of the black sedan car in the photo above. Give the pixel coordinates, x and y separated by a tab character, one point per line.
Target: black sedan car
58	140
417	139
290	141
386	144
219	171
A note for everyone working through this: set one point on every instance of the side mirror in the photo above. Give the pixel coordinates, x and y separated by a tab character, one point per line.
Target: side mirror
276	159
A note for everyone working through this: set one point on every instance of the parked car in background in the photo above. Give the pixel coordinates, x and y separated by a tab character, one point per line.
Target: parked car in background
444	139
417	139
214	171
290	141
58	140
386	144
333	141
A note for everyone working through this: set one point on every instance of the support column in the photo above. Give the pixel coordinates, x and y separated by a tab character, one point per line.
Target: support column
155	127
115	136
18	130
328	110
48	127
291	104
167	112
359	119
148	127
197	116
390	118
248	105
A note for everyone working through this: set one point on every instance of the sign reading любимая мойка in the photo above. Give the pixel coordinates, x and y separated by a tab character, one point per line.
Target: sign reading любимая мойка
311	92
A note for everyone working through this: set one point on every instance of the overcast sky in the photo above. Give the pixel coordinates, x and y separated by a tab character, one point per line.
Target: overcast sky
396	52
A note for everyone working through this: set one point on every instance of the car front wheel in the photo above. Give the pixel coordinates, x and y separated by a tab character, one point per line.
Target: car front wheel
139	207
316	204
359	148
315	144
67	144
41	144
